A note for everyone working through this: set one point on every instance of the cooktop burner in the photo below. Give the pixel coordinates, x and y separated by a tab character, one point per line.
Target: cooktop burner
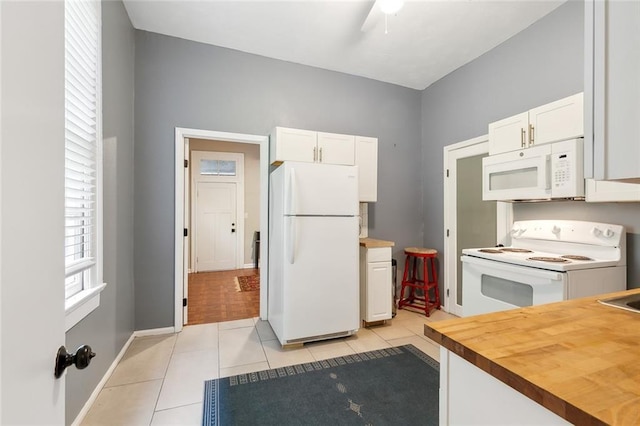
516	250
575	257
490	251
549	259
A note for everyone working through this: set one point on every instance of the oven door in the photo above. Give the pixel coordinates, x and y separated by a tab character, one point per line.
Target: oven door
491	286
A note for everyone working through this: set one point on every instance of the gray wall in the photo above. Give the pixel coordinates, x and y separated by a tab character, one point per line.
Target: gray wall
185	84
107	328
543	63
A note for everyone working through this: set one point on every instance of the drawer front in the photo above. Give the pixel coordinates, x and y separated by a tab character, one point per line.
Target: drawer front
379	254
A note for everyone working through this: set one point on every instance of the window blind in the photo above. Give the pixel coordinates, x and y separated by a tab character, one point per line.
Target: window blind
82	32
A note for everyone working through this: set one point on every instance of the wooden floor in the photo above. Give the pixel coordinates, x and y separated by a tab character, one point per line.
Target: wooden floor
213	297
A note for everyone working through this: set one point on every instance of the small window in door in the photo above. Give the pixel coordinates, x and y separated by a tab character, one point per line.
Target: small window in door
217	168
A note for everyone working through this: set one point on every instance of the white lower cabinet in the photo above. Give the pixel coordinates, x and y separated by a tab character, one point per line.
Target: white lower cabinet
375	284
470	396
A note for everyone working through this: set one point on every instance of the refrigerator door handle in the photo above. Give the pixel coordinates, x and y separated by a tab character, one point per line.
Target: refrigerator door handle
291	246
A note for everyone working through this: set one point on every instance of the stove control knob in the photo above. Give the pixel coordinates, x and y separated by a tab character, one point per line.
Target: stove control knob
556	229
608	233
516	232
596	231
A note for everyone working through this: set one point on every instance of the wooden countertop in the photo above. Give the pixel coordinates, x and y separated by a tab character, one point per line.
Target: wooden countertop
372	243
578	358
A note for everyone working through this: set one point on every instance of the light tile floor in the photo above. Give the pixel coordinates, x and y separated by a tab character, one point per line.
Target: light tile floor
160	379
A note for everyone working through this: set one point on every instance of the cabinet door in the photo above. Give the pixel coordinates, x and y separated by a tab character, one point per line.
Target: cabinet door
293	145
367	162
613	90
598	191
378	291
336	149
556	121
509	134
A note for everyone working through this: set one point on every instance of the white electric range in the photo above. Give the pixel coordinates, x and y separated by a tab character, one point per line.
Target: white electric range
548	261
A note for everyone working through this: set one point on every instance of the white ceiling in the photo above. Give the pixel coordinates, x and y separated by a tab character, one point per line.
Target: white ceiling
426	39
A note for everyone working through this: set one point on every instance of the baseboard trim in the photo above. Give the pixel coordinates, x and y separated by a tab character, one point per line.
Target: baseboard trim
154	331
94	395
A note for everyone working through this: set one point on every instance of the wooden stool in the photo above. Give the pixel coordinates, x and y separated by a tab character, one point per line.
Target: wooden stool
411	281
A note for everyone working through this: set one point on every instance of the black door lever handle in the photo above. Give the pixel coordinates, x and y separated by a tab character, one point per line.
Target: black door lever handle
81	359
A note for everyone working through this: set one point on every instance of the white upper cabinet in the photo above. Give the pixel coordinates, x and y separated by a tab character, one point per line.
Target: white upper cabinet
311	147
612	90
509	134
556	121
600	191
367	162
293	145
336	149
329	148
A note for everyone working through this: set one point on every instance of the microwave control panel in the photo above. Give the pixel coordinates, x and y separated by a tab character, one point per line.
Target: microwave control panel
562	169
567	178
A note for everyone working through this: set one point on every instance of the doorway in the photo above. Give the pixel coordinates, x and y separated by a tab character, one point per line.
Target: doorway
468	221
253	214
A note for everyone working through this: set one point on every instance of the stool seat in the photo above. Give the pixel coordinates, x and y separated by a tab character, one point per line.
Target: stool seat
420	250
423	293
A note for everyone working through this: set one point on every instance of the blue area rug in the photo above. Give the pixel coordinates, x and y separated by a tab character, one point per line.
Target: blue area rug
394	386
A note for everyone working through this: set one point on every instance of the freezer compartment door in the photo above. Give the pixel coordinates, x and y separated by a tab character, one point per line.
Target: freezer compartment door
321	276
320	189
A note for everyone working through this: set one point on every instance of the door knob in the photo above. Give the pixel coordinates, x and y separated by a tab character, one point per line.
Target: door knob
81	359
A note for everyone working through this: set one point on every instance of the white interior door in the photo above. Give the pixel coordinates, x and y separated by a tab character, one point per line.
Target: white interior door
469	222
32	324
216	226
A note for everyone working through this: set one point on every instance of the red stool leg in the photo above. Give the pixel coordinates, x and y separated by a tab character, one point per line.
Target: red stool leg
414	278
425	283
405	276
434	272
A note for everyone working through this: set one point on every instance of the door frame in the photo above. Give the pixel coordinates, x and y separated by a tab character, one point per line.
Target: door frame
181	138
240	194
504	214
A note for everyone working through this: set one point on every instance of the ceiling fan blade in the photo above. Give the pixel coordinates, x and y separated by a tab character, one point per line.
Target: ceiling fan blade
372	18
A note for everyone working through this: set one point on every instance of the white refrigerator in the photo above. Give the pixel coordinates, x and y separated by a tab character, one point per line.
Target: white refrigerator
313	252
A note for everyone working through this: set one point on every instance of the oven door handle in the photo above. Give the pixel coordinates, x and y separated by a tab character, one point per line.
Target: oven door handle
524	270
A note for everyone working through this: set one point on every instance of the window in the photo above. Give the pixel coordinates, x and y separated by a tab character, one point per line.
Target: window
83	159
217	168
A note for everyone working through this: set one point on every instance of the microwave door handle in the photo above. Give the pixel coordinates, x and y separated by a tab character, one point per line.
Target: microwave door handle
547	175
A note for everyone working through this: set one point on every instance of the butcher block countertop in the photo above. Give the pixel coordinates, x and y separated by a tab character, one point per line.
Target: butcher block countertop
578	358
372	243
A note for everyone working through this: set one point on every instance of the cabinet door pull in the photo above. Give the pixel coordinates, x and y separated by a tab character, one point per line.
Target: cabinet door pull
531	138
314	154
321	155
522	132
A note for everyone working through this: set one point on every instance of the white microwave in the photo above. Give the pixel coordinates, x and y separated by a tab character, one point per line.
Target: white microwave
544	172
